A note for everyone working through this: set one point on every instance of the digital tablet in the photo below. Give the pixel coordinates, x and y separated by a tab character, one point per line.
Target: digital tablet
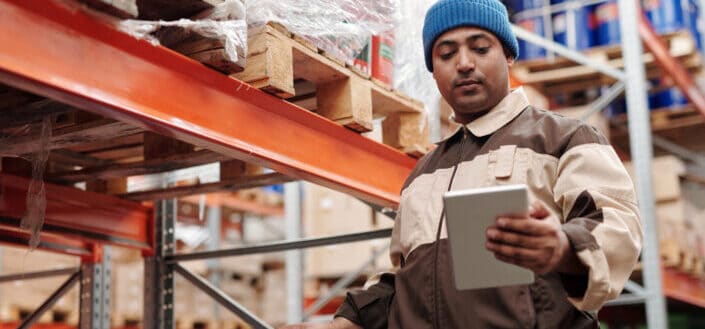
468	215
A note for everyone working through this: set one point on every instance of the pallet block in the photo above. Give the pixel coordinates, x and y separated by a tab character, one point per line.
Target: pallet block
210	52
269	63
407	132
348	102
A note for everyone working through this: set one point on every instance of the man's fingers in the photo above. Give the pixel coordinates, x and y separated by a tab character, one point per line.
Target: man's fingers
529	227
538	210
511	238
516	253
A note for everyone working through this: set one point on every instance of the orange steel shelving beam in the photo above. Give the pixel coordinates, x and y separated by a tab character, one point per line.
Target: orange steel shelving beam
683	287
65	54
670	65
76	221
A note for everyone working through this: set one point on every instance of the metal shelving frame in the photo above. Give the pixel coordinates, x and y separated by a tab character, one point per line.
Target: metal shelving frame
632	81
44	47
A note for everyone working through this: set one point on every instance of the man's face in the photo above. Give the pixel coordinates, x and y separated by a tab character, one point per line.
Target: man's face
471	71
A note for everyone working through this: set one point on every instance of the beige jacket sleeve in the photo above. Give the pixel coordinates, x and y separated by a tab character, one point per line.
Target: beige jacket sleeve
601	220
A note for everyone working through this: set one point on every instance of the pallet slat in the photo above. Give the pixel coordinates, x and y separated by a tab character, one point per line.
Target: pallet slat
562	75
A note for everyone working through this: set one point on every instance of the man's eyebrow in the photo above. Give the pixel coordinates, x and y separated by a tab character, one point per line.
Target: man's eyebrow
469	39
446	42
478	36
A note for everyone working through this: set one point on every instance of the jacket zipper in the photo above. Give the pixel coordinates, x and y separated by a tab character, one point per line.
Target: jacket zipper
436	290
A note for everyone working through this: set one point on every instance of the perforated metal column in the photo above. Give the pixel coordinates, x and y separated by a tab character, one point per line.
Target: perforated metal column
95	293
642	154
159	276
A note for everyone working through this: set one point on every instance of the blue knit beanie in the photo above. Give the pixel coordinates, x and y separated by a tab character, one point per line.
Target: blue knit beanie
445	15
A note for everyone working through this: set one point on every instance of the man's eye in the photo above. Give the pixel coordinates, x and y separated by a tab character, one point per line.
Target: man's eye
447	54
482	50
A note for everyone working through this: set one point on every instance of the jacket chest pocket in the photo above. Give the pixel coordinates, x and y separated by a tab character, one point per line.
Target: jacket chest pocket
507	165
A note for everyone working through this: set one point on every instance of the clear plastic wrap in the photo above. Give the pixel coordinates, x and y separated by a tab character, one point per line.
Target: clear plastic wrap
225	22
410	74
33	219
339	27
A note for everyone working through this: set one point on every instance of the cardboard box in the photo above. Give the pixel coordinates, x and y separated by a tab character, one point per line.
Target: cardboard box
327	212
666	172
127	289
274	297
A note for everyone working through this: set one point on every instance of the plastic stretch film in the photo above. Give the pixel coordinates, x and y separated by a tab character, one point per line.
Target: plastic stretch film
410	74
33	219
340	27
224	22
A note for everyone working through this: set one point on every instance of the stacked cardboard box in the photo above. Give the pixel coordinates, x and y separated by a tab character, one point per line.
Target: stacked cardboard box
274	297
679	222
26	295
128	291
326	213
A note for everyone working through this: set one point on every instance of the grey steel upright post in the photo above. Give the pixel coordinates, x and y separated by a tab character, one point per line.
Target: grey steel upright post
159	276
294	258
95	293
642	153
213	218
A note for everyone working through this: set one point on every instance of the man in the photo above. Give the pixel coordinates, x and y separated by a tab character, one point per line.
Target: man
582	236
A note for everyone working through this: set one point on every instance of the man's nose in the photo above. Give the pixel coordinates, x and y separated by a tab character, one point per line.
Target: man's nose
466	62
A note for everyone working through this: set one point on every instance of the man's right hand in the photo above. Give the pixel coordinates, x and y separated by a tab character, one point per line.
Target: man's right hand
338	323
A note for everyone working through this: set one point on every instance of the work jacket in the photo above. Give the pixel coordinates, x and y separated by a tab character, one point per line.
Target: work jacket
568	166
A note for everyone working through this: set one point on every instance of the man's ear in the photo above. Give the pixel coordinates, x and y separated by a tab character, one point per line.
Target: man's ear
510	61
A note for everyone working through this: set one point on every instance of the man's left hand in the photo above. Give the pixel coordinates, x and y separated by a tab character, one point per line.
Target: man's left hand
536	241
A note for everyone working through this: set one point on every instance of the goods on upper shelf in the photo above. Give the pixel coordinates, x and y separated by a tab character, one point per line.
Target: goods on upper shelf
579	26
567	84
680	214
319	55
561	78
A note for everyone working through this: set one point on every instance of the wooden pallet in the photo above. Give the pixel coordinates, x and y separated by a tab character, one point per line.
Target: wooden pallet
191	323
123	321
686	261
562	75
669	118
289	67
17	313
682	125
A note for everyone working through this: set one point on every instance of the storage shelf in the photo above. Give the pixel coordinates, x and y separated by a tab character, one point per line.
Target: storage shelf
683	287
72	57
241	122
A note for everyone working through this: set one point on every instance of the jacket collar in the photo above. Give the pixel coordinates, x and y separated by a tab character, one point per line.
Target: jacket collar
506	110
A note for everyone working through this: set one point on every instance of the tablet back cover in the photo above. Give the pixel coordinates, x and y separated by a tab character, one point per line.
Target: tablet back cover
468	214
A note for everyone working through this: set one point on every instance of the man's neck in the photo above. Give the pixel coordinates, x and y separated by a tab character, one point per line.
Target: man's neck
469	117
